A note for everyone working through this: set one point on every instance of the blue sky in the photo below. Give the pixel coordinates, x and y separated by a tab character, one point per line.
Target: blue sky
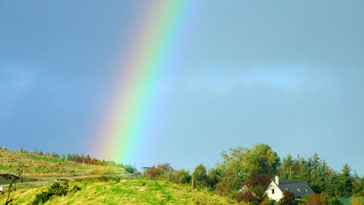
286	73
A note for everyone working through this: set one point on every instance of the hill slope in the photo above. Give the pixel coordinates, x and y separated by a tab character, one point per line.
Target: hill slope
40	166
123	192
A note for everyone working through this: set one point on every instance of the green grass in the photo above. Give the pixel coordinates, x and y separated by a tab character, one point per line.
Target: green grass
99	184
4	168
59	161
40	166
124	192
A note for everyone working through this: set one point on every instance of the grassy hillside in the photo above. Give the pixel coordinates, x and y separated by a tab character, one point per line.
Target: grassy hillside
40	166
107	188
121	192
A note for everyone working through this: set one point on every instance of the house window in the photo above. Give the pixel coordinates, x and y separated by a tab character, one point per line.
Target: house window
272	191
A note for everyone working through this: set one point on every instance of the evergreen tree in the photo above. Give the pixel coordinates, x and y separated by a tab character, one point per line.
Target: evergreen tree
346	181
357	186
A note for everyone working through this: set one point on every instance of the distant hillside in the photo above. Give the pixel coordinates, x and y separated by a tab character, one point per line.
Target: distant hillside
40	166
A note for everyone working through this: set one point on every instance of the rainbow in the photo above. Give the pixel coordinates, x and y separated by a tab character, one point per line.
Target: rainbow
146	62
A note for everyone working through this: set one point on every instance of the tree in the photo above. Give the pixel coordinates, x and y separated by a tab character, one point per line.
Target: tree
261	160
199	176
166	167
357	186
286	168
242	164
213	178
345	181
154	172
183	176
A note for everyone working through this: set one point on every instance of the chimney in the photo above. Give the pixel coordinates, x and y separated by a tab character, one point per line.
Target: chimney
277	179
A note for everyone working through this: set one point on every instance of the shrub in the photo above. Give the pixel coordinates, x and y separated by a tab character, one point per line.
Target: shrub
325	197
129	168
288	198
314	199
255	188
55	190
222	188
335	201
154	172
267	202
356	201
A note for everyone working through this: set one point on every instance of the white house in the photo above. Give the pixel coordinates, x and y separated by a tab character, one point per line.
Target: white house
276	188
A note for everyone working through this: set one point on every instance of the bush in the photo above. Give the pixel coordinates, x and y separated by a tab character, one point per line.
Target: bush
222	188
288	198
335	201
130	169
314	199
255	188
55	190
105	178
154	172
356	201
267	202
325	197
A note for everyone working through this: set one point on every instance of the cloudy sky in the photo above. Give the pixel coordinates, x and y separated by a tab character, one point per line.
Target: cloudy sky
285	73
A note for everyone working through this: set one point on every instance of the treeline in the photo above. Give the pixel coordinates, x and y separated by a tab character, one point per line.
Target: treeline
256	167
321	177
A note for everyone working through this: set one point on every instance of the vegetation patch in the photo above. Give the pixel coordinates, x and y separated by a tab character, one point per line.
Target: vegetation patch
55	190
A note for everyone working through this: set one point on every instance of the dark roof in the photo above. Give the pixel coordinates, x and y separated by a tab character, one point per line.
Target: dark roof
299	189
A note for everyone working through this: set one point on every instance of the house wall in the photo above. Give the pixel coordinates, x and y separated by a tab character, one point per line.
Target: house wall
278	194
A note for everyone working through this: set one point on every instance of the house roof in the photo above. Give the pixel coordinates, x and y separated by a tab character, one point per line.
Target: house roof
299	189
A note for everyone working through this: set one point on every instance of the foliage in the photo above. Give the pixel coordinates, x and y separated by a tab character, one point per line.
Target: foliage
223	188
335	201
183	176
213	177
242	164
357	201
129	168
124	192
314	199
321	177
55	190
267	202
255	188
154	172
357	186
199	176
288	198
166	167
